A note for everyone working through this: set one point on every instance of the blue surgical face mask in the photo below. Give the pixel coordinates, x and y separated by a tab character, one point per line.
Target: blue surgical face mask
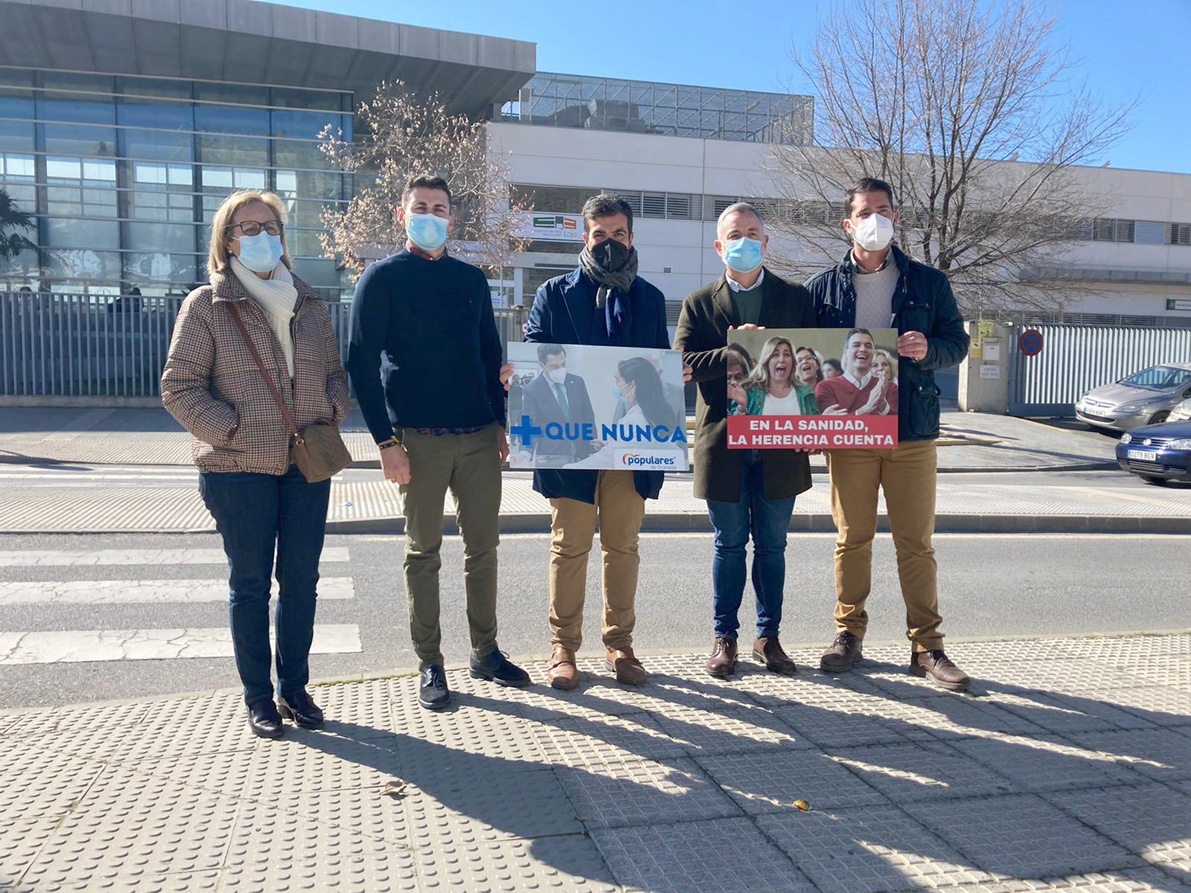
260	253
427	231
743	255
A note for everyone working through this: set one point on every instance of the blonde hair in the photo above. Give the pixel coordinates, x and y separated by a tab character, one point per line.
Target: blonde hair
217	257
759	377
878	352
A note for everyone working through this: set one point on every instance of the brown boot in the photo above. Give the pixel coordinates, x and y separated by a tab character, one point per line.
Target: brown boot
563	673
723	658
768	650
625	665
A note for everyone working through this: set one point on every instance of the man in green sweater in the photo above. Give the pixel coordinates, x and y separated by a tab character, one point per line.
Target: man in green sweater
425	361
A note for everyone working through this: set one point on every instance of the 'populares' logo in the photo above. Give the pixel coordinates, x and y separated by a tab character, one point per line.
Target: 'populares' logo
646	461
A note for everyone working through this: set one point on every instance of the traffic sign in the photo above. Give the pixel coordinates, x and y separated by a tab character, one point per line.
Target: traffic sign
1030	342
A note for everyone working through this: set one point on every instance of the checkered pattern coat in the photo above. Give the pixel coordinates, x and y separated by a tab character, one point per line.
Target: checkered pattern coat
213	387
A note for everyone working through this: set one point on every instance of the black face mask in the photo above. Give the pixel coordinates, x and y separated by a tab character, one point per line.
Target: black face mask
611	255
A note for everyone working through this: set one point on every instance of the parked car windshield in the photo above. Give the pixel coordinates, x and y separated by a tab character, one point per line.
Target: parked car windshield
1159	378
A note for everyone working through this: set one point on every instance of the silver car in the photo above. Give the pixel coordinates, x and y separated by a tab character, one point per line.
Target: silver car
1181	412
1144	398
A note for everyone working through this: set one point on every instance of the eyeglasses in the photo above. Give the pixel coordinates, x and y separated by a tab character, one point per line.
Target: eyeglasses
252	228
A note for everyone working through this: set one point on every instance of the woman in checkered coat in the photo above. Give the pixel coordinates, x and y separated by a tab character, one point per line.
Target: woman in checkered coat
262	504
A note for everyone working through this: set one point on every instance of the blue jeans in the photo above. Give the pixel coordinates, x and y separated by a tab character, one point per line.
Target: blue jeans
767	520
257	514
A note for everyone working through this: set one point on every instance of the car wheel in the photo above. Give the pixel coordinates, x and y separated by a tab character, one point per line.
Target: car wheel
1158	418
1156	481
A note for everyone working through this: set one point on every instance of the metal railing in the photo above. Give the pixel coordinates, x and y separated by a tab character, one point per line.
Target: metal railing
113	349
1075	359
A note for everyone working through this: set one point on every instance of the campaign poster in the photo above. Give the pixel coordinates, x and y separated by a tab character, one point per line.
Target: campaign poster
812	389
578	406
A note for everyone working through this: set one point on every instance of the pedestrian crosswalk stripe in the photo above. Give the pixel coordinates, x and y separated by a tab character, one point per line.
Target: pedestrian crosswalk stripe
134	592
79	646
61	558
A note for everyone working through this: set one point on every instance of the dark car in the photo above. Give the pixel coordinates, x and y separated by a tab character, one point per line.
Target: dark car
1157	452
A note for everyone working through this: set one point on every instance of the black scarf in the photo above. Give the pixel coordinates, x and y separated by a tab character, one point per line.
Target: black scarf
614	285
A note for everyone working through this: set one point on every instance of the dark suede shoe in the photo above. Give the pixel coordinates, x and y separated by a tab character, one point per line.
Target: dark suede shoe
433	693
938	667
264	720
300	709
844	652
768	650
495	666
723	658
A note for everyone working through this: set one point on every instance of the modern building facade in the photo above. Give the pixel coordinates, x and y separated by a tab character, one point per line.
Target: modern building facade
123	125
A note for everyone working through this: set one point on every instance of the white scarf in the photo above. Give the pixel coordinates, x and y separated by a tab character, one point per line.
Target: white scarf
277	297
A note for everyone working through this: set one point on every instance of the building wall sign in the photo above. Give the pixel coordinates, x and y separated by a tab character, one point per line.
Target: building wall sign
1177	304
550	227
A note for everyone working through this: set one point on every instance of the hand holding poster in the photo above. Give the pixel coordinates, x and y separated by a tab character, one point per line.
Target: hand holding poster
812	389
579	406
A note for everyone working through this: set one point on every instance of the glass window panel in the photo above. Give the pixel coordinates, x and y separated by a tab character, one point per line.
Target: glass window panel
239	94
63	168
161	115
74	267
233	150
23	192
226	119
68	139
159	237
156	145
17	165
304	242
287	97
158	266
310	185
293	153
306	214
73	232
75	110
318	273
302	125
99	170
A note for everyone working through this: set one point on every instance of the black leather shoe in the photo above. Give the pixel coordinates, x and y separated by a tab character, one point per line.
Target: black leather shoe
938	667
433	693
300	709
264	720
496	667
844	652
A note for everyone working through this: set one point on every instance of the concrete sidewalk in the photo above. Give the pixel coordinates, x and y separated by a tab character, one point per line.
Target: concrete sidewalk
65	442
1065	768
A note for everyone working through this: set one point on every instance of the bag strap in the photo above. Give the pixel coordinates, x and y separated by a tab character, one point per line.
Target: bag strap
234	307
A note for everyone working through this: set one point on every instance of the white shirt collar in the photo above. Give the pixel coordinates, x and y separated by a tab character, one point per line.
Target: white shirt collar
737	287
859	382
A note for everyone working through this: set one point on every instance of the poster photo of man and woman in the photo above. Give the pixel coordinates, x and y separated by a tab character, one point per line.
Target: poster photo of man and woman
812	388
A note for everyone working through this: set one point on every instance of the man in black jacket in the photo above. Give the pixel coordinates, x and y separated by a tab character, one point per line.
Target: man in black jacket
746	490
425	360
876	286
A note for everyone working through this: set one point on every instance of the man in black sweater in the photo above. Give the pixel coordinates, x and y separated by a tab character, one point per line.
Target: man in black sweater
425	360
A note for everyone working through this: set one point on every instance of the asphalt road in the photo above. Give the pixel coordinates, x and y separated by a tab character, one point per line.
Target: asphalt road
1030	585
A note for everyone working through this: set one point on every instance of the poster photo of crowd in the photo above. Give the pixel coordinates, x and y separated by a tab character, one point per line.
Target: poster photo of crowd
812	389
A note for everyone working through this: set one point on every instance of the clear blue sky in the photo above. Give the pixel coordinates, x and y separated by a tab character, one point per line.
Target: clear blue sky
1125	48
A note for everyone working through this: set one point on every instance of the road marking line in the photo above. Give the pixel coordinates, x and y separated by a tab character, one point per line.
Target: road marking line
137	592
79	646
62	558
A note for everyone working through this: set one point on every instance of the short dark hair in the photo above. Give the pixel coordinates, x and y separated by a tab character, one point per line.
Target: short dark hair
866	184
425	181
549	350
603	205
848	337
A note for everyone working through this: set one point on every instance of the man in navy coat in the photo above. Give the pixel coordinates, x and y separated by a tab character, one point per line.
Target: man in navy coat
603	302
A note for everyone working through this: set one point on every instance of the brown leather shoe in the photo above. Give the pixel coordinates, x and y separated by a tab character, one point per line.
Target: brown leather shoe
563	673
844	652
940	669
723	658
625	665
768	650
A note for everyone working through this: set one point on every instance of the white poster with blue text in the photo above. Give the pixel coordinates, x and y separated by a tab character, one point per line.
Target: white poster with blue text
578	406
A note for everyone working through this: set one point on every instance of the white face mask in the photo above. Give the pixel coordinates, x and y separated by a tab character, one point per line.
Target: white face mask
559	375
873	233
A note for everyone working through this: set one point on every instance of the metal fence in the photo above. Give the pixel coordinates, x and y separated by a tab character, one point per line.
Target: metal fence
113	349
1075	359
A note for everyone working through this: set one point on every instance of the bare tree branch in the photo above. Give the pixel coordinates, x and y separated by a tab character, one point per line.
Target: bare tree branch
403	134
966	110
